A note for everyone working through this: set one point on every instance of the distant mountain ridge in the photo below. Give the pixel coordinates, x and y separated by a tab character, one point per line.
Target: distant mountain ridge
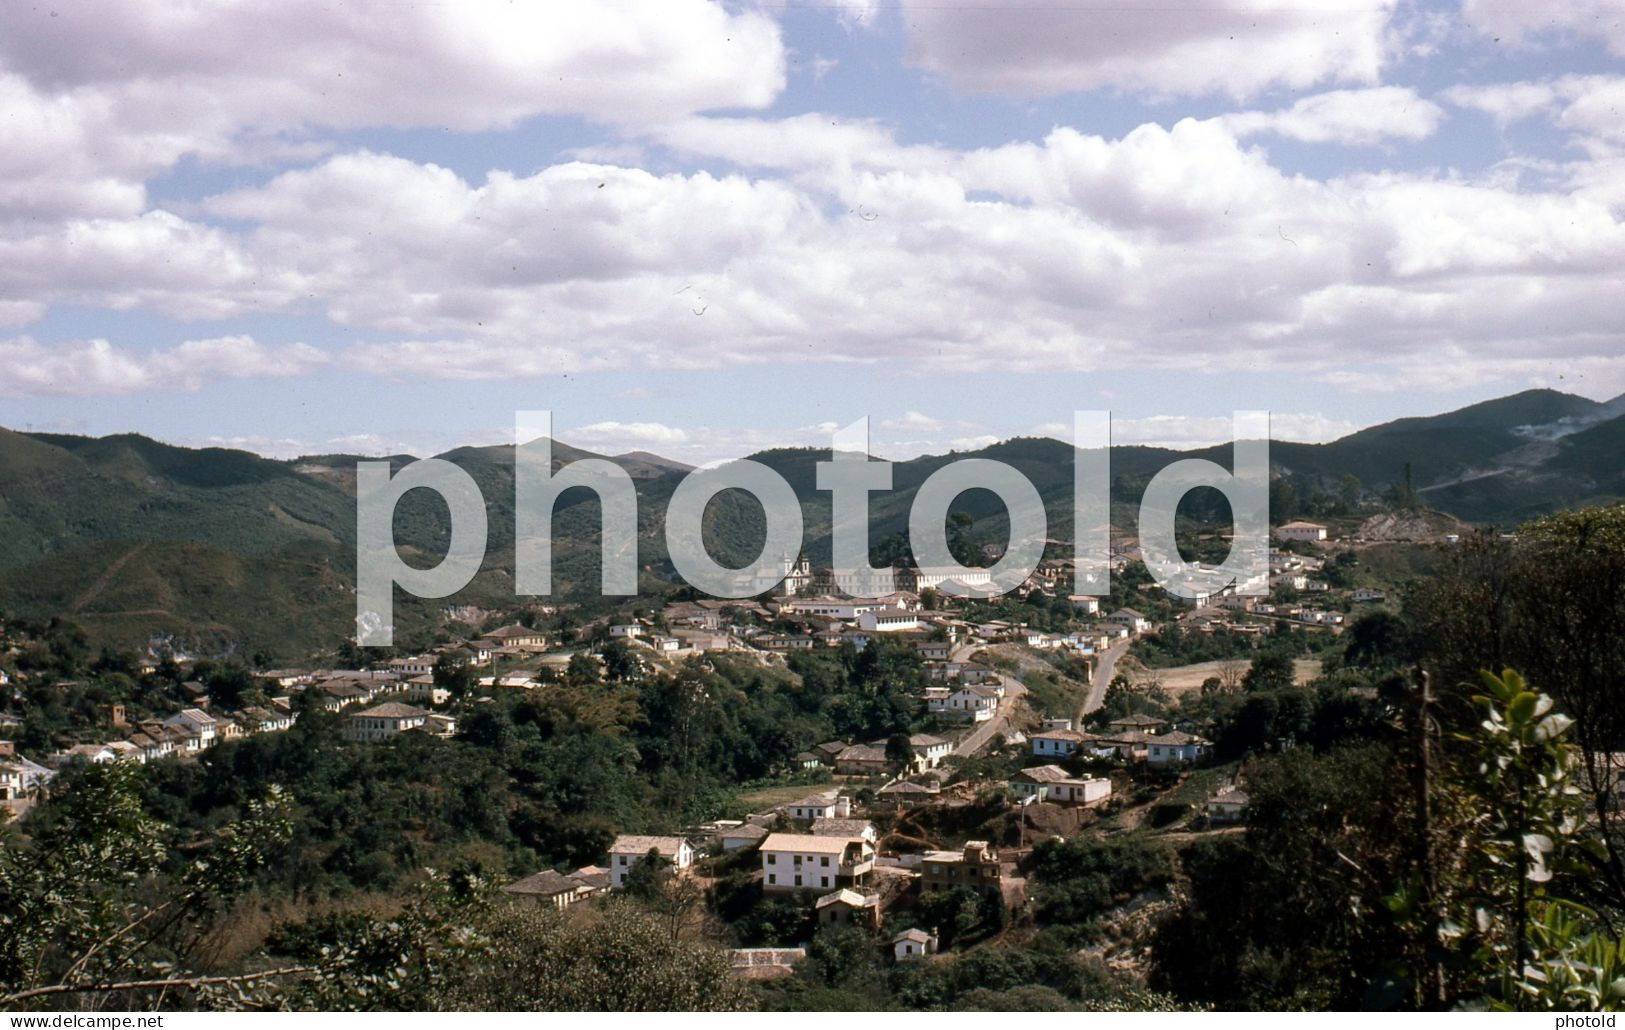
136	539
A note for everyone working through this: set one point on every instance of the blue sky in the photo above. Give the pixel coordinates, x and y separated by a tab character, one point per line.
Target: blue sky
704	228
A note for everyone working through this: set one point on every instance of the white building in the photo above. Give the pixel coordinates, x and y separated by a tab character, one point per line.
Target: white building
819	807
929	751
381	722
913	945
888	620
1052	783
198	726
628	851
797	861
1056	743
1130	620
1311	532
1175	748
831	607
972	704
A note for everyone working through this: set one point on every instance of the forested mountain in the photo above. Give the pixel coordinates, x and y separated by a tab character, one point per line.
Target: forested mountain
134	539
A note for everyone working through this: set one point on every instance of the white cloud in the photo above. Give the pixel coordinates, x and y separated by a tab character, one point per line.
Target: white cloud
1351	116
476	64
1513	22
1233	47
1587	105
96	367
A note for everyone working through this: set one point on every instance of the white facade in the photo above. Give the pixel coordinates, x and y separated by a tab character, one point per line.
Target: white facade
1311	532
383	722
628	851
972	704
794	861
888	620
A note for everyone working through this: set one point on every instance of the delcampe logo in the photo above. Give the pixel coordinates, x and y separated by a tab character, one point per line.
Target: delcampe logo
849	477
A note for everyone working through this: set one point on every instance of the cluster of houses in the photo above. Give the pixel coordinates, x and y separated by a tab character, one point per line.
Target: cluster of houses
812	848
1132	738
197	728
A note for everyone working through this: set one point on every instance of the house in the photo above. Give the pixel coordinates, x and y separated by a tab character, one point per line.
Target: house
745	835
421	665
124	751
806	760
443	726
847	907
915	580
1311	532
199	727
929	751
819	806
827	751
1084	604
628	851
888	620
593	879
20	779
1175	748
862	760
151	749
265	720
381	722
662	644
797	861
1059	743
1365	594
931	650
282	679
976	867
904	793
1228	805
546	888
776	642
1128	746
625	631
516	636
912	945
95	754
832	607
1138	723
1130	620
1054	784
972	704
844	828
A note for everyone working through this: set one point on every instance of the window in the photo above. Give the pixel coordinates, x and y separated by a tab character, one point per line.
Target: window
772	879
823	881
623	860
798	881
772	859
824	861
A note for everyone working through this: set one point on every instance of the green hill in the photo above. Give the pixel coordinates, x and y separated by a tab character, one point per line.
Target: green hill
137	539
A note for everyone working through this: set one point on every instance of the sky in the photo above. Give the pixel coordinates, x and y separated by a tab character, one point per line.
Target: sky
704	228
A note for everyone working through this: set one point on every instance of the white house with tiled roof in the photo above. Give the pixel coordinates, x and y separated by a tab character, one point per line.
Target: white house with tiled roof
380	722
629	849
804	861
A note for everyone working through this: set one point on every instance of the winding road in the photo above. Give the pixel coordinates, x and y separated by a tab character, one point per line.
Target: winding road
984	732
1103	677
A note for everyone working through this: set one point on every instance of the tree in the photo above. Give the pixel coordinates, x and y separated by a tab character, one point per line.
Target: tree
620	663
1549	603
1270	670
453	676
86	905
899	752
1380	640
